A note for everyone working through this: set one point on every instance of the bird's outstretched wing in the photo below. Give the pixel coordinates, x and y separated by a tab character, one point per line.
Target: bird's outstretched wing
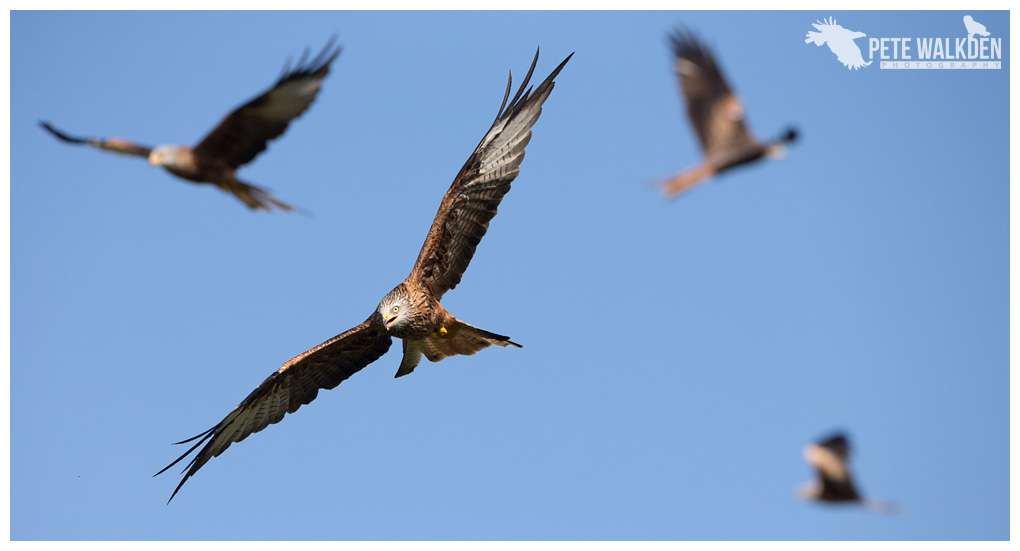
715	111
476	192
116	145
293	385
243	133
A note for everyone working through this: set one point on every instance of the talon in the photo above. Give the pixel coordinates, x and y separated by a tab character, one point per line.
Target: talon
442	331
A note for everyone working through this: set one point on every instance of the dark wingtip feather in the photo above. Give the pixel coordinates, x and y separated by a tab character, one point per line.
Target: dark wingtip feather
317	66
204	436
555	72
177	489
60	135
506	95
524	92
523	95
687	45
322	60
527	79
682	41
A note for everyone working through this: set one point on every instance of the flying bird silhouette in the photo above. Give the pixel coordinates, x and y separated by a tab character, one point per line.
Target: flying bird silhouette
239	137
840	41
973	27
717	115
411	311
834	484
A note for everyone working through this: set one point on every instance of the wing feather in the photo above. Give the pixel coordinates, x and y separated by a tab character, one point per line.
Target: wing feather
714	110
288	388
243	134
116	145
479	187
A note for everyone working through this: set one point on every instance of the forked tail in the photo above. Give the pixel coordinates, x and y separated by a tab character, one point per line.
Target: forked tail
255	197
460	339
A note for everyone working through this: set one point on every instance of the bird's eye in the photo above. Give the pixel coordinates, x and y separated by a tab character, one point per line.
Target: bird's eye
395	309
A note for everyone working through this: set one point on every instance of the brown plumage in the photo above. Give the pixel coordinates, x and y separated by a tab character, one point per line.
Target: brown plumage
411	311
238	139
717	115
831	458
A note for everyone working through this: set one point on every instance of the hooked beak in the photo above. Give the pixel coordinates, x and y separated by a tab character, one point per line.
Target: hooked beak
388	319
154	159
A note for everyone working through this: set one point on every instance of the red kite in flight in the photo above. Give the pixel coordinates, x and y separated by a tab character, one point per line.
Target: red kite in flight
834	483
411	311
238	139
717	115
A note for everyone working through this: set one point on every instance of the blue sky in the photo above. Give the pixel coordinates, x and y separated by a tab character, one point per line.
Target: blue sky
677	355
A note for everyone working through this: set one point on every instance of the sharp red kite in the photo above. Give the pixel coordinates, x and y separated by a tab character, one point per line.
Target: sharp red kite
716	114
834	484
239	138
411	311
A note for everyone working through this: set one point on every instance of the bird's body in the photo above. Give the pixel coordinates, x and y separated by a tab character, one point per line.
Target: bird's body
716	114
181	161
411	311
974	28
238	139
414	315
833	483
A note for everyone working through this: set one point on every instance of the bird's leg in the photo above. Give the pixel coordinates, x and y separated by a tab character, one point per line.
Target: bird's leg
443	320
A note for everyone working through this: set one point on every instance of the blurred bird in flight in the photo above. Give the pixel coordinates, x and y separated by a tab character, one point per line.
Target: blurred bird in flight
716	114
239	137
833	484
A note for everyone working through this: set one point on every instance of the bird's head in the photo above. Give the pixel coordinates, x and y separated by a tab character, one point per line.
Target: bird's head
394	308
165	155
156	156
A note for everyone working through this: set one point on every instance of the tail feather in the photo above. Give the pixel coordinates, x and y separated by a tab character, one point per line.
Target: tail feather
411	358
255	197
686	180
461	339
880	506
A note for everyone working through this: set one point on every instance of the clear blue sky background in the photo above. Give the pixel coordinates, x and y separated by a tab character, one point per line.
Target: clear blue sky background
677	356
